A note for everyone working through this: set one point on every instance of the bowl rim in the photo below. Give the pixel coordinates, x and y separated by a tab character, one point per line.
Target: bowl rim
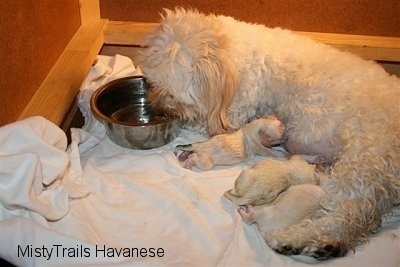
100	115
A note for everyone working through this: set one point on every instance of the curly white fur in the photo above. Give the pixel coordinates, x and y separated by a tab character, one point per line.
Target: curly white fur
222	73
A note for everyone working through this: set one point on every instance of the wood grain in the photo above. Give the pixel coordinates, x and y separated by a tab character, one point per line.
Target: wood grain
89	10
369	47
55	95
33	34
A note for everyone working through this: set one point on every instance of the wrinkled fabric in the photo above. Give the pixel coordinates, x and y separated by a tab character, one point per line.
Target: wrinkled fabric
37	175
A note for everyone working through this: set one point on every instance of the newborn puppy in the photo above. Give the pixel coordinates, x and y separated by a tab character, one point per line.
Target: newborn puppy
255	138
295	204
263	182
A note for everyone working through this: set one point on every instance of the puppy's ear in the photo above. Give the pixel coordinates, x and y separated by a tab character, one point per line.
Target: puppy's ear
216	74
265	138
235	199
271	131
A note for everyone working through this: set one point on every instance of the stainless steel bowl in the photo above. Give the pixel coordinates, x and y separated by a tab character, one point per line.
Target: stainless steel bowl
123	107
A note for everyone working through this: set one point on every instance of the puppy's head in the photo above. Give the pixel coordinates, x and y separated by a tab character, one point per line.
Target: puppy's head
259	184
271	131
189	69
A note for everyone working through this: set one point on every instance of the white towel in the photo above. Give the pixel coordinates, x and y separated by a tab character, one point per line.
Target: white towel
36	173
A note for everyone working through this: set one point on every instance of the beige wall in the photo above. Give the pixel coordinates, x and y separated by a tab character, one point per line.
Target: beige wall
33	33
365	17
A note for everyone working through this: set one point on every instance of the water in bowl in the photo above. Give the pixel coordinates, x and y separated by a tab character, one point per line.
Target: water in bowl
138	114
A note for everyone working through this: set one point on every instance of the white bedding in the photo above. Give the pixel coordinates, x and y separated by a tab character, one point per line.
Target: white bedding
94	200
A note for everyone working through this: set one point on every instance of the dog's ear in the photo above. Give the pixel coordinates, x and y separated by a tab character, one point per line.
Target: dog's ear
216	74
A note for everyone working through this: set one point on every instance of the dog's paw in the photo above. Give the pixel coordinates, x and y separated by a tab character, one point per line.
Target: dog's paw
289	243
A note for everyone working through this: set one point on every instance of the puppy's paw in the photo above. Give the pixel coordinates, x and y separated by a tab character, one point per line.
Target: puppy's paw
182	152
247	213
183	155
189	157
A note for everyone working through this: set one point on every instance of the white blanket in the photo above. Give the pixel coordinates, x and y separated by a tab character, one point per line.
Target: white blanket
95	203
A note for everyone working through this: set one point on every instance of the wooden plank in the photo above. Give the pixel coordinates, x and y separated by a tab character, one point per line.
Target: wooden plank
127	32
90	10
133	51
129	51
55	95
369	47
356	40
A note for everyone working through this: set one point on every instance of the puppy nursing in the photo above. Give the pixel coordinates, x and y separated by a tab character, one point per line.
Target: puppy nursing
278	193
263	182
255	138
292	206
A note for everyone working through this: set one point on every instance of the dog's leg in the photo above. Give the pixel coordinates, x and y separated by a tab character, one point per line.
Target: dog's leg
330	235
321	238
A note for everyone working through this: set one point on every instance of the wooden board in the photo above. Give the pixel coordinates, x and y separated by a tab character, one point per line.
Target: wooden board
56	94
33	34
369	47
362	17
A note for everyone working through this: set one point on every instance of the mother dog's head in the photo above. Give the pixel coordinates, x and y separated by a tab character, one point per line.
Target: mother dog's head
189	69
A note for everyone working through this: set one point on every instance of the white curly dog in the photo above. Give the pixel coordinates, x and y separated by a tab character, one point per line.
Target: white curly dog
223	73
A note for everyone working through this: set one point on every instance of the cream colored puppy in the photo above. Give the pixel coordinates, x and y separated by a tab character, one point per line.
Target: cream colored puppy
298	202
255	138
263	182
